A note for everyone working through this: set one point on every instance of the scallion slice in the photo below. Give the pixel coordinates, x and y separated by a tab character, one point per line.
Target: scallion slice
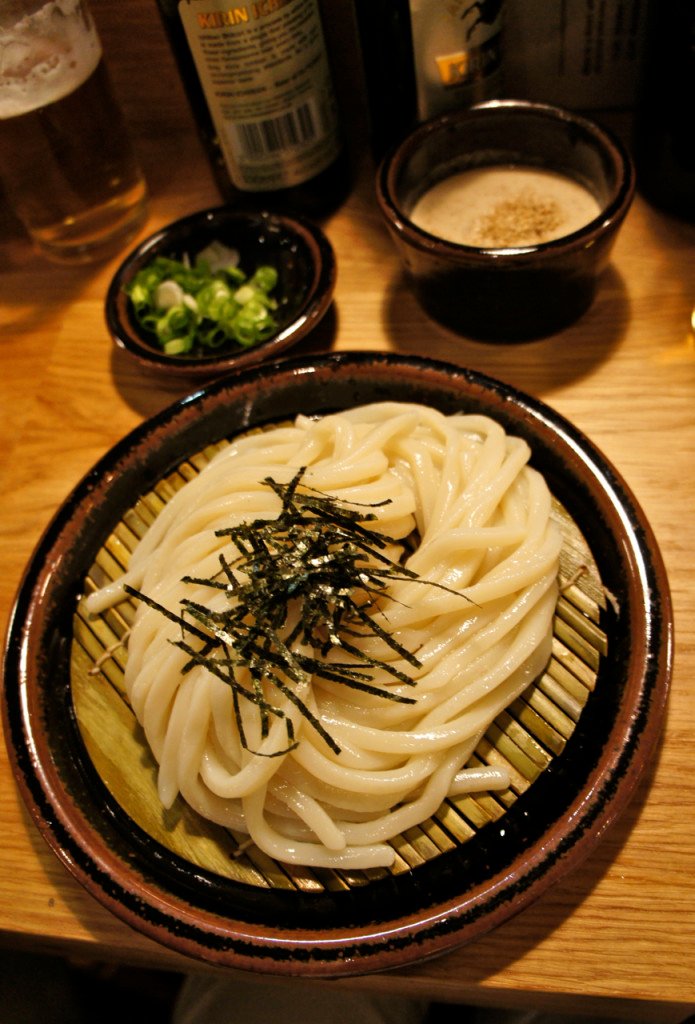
195	309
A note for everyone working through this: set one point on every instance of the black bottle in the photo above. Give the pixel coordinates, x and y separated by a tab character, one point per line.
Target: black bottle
259	83
664	142
424	57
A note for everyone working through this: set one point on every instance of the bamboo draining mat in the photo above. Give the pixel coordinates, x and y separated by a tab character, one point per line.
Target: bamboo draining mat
524	738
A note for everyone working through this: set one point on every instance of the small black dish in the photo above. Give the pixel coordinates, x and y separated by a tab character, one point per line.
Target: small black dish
298	249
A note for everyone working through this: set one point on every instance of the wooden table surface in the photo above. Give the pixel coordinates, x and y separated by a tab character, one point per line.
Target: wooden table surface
616	936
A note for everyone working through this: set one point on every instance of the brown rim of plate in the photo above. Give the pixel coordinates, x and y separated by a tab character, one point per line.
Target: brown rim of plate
441	903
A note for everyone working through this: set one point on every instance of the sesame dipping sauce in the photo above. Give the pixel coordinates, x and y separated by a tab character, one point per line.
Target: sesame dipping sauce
504	207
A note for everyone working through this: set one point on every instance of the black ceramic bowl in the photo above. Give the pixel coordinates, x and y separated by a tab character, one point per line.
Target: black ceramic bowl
515	292
299	251
490	864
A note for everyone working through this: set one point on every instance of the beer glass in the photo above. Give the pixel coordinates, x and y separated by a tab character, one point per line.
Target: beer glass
67	164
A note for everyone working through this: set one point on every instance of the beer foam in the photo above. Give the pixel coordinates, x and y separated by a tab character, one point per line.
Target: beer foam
46	56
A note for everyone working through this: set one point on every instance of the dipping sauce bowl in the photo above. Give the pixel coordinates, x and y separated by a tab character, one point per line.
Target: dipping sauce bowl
525	202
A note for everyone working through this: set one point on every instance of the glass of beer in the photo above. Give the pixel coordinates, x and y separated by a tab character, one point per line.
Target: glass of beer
67	164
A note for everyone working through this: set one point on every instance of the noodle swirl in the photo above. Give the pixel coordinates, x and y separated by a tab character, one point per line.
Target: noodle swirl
482	519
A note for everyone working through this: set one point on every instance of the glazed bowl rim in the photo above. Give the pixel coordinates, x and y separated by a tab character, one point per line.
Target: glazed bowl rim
585	237
314	306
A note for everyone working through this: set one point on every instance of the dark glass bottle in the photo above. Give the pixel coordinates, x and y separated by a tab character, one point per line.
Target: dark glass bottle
664	144
259	83
387	57
424	58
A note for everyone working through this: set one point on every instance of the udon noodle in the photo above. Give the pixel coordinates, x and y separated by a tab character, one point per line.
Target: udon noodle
480	517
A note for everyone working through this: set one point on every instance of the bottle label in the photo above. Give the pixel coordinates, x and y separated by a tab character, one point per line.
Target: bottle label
265	74
457	52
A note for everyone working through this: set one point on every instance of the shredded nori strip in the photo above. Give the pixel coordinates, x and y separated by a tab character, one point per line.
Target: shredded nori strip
316	562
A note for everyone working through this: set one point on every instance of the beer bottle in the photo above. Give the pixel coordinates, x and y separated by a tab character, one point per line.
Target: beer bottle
424	57
664	144
259	84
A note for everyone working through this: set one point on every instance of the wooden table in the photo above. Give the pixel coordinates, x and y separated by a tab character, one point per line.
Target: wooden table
618	935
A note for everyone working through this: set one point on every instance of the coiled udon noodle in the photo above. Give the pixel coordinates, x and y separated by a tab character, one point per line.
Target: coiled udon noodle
481	517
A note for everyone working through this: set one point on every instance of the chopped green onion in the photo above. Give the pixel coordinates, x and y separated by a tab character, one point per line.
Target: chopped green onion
190	310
